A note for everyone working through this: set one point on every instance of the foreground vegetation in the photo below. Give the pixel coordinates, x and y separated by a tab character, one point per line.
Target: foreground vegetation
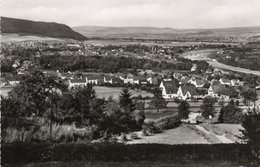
44	121
130	164
28	152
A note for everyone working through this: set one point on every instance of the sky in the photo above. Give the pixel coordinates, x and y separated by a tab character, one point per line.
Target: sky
151	13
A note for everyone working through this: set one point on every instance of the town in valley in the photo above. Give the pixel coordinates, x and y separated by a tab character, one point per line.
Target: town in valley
158	95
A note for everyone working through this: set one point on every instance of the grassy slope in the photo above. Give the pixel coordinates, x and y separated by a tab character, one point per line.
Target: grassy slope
50	29
179	135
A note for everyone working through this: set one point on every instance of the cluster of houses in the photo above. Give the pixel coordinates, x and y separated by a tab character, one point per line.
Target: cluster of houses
184	87
112	79
178	86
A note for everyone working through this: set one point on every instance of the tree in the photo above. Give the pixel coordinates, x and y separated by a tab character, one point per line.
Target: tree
125	100
140	115
249	94
237	103
34	93
158	101
183	109
202	66
84	96
147	66
68	112
9	108
251	132
208	107
230	114
250	80
116	120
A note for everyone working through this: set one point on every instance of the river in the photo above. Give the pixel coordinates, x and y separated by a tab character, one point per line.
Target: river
203	55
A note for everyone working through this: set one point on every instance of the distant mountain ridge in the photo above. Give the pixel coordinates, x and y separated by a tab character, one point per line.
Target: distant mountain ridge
122	30
96	31
49	29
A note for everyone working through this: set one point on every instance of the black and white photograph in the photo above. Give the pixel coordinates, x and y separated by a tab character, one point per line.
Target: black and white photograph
130	83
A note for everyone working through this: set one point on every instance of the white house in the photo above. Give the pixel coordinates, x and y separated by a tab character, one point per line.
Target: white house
221	91
107	79
197	83
131	80
78	82
169	89
236	82
92	80
177	76
193	117
153	80
225	81
187	92
112	80
143	81
193	68
13	82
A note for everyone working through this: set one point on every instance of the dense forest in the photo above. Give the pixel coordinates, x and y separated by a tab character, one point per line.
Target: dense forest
107	64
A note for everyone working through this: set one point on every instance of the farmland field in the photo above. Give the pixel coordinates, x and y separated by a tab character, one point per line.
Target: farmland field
105	92
179	135
25	37
231	131
153	114
101	91
168	44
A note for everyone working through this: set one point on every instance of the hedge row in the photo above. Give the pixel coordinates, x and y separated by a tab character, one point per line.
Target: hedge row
28	152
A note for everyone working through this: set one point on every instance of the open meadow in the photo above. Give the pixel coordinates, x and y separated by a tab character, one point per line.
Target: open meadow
101	92
179	135
105	92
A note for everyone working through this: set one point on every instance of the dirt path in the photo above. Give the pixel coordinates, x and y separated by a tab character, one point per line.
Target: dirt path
222	138
179	135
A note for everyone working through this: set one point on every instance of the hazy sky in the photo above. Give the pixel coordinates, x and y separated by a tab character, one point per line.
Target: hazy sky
157	13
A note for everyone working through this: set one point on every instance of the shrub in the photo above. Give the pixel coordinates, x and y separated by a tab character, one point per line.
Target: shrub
152	127
230	114
168	122
134	136
60	133
29	152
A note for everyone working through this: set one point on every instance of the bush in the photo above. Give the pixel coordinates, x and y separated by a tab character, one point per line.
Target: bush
29	152
151	127
41	133
134	136
168	122
231	114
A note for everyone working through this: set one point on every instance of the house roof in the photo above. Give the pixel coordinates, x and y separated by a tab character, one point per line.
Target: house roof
115	79
143	80
149	72
130	75
121	75
92	77
208	71
184	80
199	82
225	80
77	80
223	90
108	77
170	87
189	88
136	78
